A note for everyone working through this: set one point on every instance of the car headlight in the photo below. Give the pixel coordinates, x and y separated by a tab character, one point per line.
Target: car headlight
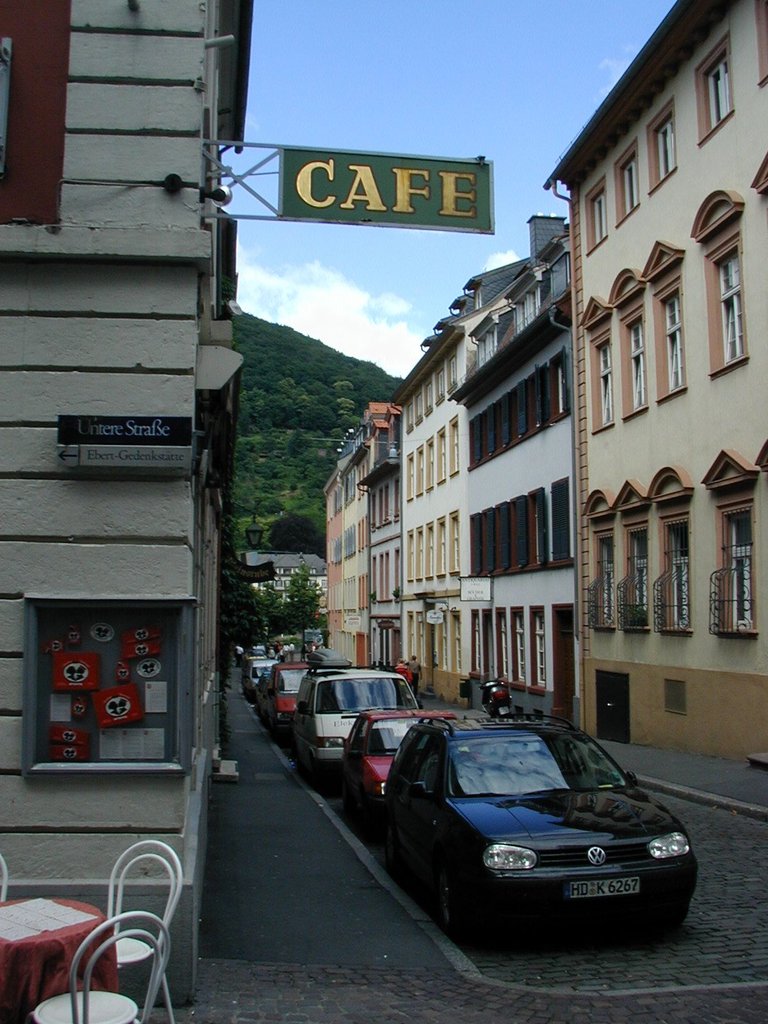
333	741
503	857
675	844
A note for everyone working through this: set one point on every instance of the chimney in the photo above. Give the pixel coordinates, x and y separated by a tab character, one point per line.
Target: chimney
543	227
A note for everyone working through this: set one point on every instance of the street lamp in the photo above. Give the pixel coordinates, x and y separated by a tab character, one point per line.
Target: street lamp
253	534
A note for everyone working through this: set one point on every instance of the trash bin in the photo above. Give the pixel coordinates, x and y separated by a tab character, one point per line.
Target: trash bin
465	689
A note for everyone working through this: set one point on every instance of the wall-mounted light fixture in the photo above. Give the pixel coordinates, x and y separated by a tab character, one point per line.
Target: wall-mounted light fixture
254	534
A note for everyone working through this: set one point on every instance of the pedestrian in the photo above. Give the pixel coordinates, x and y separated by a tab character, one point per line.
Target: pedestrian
415	670
404	671
238	654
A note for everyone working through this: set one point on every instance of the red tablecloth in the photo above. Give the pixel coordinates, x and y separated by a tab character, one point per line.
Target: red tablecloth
37	966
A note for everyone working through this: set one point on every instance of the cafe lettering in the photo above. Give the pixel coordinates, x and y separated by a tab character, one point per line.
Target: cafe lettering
387	190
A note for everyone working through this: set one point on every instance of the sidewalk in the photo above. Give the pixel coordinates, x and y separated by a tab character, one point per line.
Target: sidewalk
300	924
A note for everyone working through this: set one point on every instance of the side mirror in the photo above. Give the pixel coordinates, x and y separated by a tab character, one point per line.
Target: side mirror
302	707
418	791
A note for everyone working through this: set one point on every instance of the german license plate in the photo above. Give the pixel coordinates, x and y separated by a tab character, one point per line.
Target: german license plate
602	887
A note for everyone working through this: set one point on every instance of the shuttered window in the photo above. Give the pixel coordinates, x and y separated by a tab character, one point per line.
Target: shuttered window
561	534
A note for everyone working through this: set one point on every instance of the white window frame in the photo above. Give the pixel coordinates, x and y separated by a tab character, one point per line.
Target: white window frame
637	356
674	335
730	305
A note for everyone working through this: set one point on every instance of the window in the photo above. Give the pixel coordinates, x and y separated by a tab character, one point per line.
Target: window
606	385
673	325
418	407
453	374
539	648
731	585
600	590
430	457
671	593
502	648
596	215
410	549
713	89
454	542
428	401
453	429
420	469
441	456
429	551
627	183
418	568
632	591
486	345
561	533
518	651
730	303
637	356
440	380
662	156
441	551
410	479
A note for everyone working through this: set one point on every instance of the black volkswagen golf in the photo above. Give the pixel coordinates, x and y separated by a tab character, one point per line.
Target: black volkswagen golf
530	818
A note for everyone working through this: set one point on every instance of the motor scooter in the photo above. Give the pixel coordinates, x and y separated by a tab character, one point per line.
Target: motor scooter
495	698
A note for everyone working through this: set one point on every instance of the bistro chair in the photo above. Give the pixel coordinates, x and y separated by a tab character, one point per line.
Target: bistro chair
3	879
87	1006
146	854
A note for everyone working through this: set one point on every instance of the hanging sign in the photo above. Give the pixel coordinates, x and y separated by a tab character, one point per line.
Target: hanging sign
338	186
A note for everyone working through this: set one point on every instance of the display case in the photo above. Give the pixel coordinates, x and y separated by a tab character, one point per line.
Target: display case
108	685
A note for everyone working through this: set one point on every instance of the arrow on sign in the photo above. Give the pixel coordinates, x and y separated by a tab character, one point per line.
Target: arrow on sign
70	452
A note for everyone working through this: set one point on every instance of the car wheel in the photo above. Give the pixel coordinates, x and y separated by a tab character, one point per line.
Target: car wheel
392	858
450	915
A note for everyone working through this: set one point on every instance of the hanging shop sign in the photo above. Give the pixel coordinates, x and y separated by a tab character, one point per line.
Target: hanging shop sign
151	443
261	573
338	186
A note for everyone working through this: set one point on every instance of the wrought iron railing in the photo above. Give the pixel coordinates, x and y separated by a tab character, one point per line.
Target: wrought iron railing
632	602
671	608
600	603
730	599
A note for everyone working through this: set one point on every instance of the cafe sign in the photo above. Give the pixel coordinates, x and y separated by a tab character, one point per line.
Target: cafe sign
339	186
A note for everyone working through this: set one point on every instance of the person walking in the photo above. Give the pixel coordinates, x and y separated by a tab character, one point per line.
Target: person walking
415	669
404	671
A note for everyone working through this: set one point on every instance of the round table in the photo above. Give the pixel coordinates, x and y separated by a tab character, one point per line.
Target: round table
35	967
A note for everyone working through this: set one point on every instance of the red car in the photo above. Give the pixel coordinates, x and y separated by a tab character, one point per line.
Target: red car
280	704
368	753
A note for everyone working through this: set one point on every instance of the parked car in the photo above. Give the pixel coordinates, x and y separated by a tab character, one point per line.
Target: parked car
528	817
368	753
281	696
260	688
252	668
331	696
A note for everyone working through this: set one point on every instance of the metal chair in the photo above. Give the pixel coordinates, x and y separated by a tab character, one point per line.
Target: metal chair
3	879
148	853
96	1007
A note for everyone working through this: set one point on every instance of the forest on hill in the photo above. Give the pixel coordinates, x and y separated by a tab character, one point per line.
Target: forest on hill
297	400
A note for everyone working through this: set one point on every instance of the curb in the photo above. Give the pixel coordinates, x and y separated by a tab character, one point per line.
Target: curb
700	796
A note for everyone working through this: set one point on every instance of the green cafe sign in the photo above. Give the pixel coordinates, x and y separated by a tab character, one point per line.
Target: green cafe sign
382	189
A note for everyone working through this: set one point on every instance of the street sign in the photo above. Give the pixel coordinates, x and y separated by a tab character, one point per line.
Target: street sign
339	186
261	573
475	588
149	431
134	457
435	617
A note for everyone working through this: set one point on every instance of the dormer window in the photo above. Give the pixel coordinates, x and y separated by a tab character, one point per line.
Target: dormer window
487	345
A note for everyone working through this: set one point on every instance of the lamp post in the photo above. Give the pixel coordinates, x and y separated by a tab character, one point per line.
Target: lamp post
254	534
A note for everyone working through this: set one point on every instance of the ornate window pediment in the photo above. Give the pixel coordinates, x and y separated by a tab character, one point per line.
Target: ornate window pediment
671	483
663	258
627	285
719	209
632	495
760	181
730	469
599	504
595	312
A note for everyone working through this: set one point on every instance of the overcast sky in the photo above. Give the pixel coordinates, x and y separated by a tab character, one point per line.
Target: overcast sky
512	80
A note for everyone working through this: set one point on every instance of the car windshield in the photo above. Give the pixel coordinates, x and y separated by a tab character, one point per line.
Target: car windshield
386	736
355	694
289	680
521	763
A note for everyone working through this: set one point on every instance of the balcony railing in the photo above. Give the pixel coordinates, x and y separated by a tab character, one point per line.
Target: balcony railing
671	608
730	599
600	604
632	601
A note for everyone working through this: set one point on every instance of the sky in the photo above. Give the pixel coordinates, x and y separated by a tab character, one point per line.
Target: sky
513	80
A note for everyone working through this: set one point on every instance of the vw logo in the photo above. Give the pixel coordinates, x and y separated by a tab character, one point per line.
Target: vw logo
596	856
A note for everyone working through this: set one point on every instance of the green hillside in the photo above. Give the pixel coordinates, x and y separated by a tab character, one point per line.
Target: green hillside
297	400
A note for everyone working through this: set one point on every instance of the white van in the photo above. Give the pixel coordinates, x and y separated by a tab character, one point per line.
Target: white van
331	696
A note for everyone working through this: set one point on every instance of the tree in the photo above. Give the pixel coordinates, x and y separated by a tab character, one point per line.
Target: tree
302	600
293	532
